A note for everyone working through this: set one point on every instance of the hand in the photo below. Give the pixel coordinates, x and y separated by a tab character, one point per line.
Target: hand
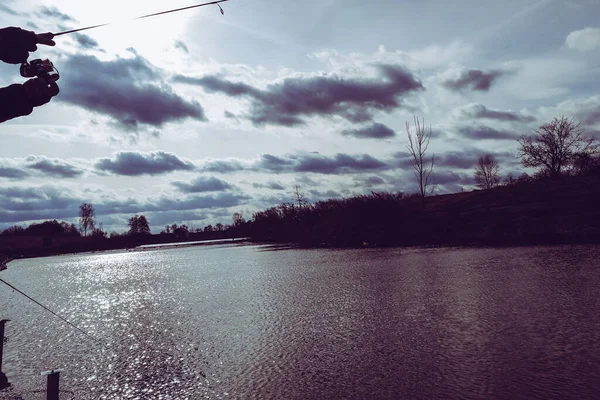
39	92
16	43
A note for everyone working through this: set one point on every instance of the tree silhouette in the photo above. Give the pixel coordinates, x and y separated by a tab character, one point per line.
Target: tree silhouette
555	146
238	219
486	172
138	225
86	217
418	142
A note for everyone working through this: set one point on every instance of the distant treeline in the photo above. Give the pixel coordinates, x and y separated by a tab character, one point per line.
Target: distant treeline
522	211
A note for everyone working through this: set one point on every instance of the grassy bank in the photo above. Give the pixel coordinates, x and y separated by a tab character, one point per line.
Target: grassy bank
538	212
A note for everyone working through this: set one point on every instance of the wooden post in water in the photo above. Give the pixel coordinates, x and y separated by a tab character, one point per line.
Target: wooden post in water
53	387
3	380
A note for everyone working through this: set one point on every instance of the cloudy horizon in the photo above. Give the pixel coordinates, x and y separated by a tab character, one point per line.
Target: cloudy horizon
191	117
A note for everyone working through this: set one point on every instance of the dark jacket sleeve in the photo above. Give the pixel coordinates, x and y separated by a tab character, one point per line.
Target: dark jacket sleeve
13	102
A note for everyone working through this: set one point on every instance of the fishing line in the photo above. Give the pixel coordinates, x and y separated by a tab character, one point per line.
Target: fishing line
51	35
52	312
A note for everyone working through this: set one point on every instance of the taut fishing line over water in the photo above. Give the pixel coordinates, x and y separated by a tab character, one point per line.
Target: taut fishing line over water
52	312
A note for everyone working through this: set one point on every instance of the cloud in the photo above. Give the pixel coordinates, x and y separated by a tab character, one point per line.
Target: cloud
45	202
12	173
457	159
85	41
290	102
120	90
220	200
203	184
223	166
451	177
7	10
369	181
584	109
464	159
269	185
180	45
485	133
375	131
479	111
53	167
134	163
317	195
53	12
316	163
473	79
298	163
584	40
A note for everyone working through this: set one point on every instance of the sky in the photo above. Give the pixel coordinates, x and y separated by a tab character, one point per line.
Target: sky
190	117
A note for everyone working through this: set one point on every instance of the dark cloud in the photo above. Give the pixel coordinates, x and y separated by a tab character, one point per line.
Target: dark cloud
164	203
12	173
222	166
85	41
288	103
485	132
53	167
230	115
373	181
403	159
119	89
317	195
375	131
53	12
180	45
587	111
7	10
457	159
306	180
269	185
479	111
301	162
474	79
451	177
464	159
338	164
134	163
274	163
220	200
25	204
203	184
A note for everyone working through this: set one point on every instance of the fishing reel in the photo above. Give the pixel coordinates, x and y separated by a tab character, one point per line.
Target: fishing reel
43	69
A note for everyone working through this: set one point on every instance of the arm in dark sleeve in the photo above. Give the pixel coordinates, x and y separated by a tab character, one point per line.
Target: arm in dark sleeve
14	102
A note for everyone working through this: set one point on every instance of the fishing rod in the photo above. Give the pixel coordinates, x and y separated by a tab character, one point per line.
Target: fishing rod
52	312
52	35
45	69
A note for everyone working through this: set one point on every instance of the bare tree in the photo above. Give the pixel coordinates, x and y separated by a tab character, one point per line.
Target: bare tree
486	172
418	142
555	146
86	217
298	197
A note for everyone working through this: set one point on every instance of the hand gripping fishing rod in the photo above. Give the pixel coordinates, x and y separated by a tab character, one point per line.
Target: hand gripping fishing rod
45	70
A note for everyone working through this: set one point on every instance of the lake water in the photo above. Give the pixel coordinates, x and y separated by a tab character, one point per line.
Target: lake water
228	322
